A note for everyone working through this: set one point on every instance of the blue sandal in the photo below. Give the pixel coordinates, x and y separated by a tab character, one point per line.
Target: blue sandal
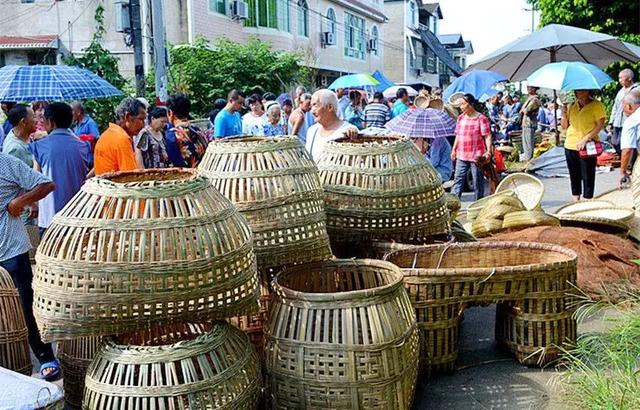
55	374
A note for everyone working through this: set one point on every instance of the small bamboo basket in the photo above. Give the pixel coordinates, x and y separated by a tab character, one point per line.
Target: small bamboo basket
381	188
184	366
530	282
137	248
75	355
341	335
274	183
14	345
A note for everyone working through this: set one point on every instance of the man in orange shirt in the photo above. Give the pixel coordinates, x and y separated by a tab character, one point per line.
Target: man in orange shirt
114	150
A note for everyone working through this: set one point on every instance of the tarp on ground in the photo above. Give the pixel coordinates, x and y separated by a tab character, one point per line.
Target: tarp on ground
550	164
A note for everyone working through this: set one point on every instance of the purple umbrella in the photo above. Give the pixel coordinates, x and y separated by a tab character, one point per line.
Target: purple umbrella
423	123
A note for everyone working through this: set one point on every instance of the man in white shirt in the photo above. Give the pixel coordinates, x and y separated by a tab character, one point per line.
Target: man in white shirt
630	134
343	101
617	117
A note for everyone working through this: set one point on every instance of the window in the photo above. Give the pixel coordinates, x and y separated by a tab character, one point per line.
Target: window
354	36
219	6
262	13
284	21
412	13
27	1
303	18
331	21
375	36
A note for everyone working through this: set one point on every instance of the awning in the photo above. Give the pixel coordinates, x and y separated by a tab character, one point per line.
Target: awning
434	44
28	42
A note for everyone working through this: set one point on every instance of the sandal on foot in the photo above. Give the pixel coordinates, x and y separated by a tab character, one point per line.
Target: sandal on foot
55	374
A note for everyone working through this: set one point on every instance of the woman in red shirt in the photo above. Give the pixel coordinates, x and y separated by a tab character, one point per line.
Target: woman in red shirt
473	140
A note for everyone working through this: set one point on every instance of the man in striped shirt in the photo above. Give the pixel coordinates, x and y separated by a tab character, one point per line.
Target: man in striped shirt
376	114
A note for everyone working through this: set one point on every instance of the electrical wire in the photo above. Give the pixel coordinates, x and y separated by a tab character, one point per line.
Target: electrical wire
69	25
26	13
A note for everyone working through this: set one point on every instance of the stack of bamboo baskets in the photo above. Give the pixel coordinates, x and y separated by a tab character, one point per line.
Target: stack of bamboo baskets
14	348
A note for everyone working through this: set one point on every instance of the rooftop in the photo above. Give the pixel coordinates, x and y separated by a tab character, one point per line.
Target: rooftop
15	42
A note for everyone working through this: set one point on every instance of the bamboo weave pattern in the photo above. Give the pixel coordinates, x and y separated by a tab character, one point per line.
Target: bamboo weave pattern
75	355
142	247
275	185
342	335
182	367
14	345
530	282
381	188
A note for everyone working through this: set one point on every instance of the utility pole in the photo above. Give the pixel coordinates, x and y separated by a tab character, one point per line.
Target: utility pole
159	49
533	10
136	37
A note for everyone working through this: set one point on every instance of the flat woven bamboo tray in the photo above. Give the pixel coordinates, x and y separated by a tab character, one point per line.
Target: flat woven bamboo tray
341	335
75	355
381	188
612	212
185	366
527	188
14	346
274	183
525	219
583	205
605	225
635	185
529	281
142	247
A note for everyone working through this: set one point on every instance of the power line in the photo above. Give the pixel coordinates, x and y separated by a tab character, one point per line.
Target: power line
26	13
77	18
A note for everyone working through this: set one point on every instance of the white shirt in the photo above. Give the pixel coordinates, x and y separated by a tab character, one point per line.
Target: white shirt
252	125
630	131
315	143
343	103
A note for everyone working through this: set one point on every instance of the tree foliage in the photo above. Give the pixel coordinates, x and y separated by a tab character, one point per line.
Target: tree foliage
620	18
206	71
99	60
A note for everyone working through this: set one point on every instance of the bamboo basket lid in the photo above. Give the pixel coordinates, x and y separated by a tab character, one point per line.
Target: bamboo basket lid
381	188
274	183
182	366
14	347
527	188
141	247
613	213
583	205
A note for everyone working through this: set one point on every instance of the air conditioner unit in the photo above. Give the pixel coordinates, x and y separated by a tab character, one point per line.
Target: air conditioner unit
328	38
324	80
123	21
372	44
239	10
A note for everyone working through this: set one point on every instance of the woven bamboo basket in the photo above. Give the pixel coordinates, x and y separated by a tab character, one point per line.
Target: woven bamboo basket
474	208
527	188
142	247
524	219
184	366
75	356
605	225
453	205
381	188
341	335
529	281
377	249
274	183
635	185
14	345
583	205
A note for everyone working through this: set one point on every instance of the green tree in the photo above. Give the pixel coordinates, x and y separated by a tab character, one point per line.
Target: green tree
99	60
620	18
206	71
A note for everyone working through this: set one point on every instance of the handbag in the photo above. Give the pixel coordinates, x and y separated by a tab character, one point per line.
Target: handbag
591	150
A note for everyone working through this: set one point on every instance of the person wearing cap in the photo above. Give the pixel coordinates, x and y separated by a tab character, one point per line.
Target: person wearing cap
529	112
272	126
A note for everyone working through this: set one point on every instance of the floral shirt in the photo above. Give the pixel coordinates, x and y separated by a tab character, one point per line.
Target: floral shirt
154	151
269	130
186	145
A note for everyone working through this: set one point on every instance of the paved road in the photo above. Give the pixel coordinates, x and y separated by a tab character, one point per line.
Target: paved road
488	377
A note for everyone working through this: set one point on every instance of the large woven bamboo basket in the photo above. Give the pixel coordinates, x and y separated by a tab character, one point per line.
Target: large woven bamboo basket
341	335
275	185
530	282
381	188
75	355
185	366
14	346
142	247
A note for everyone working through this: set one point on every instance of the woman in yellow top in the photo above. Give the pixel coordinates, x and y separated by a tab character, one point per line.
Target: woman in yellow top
583	121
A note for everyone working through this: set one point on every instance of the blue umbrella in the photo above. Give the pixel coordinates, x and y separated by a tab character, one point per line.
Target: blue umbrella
354	81
423	123
568	75
384	81
476	83
52	83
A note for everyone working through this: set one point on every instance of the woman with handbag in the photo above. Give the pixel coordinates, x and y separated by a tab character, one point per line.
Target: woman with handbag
583	120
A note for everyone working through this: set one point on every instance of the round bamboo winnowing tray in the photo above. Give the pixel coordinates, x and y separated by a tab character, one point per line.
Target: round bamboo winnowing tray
527	188
142	247
612	212
184	366
274	183
14	346
75	355
604	225
583	205
381	188
341	335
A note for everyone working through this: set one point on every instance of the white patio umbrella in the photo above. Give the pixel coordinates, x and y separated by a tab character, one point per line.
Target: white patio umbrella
391	91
